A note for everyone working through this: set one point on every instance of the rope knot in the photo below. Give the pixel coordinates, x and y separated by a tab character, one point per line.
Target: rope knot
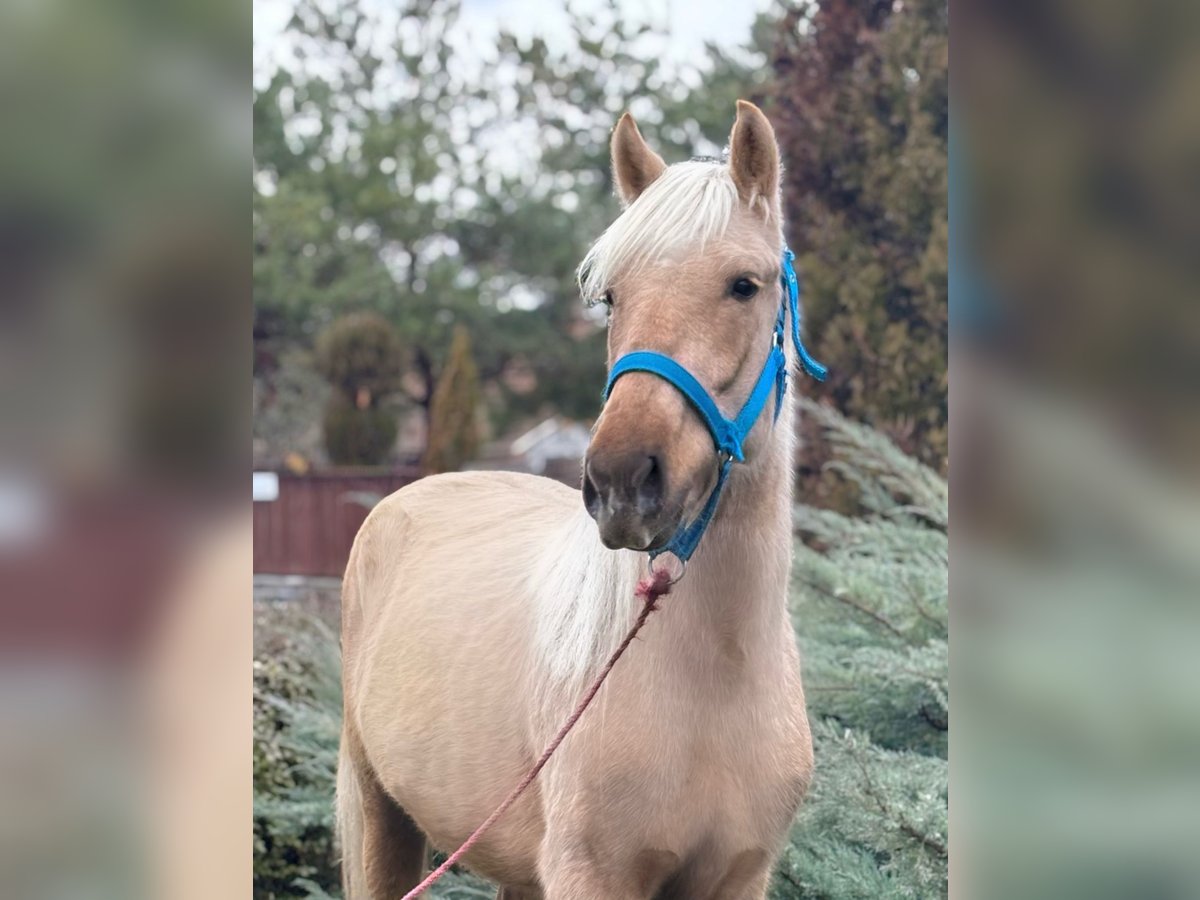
656	584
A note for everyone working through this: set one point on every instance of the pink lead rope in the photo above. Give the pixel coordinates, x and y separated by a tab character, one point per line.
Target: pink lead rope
649	589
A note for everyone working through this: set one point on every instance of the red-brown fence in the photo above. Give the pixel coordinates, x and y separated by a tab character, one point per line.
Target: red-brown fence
309	528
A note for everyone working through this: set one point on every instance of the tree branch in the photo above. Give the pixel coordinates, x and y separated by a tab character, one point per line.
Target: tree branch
888	813
866	611
938	723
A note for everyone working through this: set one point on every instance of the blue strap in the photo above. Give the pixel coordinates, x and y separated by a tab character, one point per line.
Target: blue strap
724	432
686	539
768	380
791	285
727	435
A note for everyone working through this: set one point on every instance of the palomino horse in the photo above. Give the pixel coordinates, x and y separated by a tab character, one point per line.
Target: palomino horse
478	606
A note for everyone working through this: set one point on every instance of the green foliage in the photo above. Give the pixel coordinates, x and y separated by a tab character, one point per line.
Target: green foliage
440	188
297	727
874	825
357	436
454	420
869	601
860	108
361	356
283	409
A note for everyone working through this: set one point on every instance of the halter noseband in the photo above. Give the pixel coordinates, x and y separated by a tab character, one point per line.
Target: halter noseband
727	434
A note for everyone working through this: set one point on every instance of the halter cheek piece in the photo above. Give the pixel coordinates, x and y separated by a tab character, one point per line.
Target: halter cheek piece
727	434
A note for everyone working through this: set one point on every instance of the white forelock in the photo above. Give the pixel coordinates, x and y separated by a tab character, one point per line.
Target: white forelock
688	205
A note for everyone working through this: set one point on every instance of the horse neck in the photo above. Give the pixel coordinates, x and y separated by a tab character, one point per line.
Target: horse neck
740	570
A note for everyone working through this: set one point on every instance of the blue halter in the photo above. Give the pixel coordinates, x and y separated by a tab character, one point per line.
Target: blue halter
728	434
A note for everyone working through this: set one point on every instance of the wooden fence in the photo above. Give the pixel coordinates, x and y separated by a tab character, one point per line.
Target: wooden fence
309	528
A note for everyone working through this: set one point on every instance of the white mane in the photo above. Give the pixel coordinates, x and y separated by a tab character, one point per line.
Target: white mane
584	603
689	204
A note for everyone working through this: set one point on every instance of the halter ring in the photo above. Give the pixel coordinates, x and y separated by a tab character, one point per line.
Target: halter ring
677	578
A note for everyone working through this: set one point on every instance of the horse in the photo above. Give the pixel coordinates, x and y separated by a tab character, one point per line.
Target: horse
478	606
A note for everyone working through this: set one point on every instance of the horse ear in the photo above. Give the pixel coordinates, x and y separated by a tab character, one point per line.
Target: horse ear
754	156
635	165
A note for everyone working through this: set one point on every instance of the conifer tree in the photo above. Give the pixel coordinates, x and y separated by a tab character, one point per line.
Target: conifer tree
860	108
869	601
454	425
361	357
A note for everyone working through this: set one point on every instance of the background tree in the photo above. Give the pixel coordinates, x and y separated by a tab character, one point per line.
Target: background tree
454	426
399	175
361	356
870	594
860	107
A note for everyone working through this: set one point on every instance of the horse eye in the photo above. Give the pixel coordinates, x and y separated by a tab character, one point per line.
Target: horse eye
608	299
743	289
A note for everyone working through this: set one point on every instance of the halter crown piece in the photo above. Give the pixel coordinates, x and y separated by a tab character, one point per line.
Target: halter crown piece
727	434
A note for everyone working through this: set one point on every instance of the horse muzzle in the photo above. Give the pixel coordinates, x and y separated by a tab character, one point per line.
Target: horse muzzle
626	494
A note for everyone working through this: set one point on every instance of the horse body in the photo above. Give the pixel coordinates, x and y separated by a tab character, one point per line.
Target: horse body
477	607
687	770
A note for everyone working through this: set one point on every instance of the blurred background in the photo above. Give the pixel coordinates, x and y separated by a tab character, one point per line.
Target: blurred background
428	176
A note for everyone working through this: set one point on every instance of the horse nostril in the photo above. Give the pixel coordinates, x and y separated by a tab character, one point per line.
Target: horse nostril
648	484
634	486
591	496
